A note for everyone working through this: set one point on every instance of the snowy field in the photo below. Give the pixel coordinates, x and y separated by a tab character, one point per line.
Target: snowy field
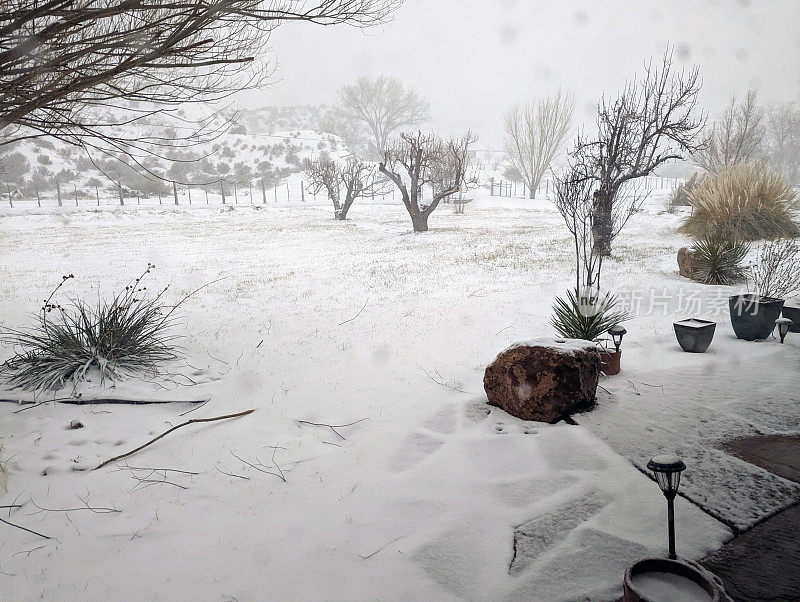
429	493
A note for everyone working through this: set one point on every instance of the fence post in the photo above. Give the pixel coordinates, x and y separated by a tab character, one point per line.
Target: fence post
38	198
121	198
189	191
235	195
205	188
491	187
263	191
96	194
302	193
10	202
75	187
250	190
175	191
58	192
275	193
222	190
288	196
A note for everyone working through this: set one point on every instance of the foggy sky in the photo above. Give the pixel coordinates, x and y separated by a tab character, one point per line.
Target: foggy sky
474	58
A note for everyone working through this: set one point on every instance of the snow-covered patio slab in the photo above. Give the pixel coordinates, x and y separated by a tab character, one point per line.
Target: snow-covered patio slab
697	404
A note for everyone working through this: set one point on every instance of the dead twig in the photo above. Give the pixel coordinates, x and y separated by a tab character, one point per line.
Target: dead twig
381	548
165	433
96	510
2	520
28	552
333	427
355	316
262	468
80	401
230	474
453	385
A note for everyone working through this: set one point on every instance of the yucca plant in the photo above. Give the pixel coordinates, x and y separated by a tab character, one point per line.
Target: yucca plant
586	314
720	260
744	202
129	334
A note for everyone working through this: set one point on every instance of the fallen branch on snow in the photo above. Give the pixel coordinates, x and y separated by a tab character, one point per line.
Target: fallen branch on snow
165	433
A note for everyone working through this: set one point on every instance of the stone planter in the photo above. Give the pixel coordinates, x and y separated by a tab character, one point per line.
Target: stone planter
753	316
610	362
694	335
664	580
791	310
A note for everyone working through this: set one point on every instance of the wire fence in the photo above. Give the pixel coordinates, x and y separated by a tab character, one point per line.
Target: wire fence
290	191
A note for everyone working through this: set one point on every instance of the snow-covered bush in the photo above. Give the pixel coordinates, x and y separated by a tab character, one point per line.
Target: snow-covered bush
719	260
744	202
776	273
586	314
129	334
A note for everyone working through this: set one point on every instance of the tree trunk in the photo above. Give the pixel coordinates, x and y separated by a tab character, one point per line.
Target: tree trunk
602	224
420	222
342	213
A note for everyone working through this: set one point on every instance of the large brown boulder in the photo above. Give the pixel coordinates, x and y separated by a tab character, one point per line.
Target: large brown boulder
687	263
543	379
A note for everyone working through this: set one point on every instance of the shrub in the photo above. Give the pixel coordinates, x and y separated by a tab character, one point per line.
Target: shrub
719	261
680	196
776	273
744	202
123	336
585	315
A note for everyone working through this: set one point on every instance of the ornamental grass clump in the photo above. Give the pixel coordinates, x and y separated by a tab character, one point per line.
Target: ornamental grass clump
720	261
128	334
744	202
586	315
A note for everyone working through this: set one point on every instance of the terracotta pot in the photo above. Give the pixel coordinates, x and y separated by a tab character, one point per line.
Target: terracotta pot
610	362
687	580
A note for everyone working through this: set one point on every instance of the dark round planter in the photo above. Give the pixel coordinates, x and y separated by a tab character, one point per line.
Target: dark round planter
694	335
610	362
791	310
665	580
753	316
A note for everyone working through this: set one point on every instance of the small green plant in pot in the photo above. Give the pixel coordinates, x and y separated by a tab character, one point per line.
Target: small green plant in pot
588	315
129	334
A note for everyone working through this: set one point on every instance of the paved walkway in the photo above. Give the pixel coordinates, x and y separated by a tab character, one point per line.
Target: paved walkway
764	563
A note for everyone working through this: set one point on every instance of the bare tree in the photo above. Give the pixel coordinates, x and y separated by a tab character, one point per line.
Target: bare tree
652	121
418	160
355	179
735	137
384	104
573	199
535	132
64	63
782	141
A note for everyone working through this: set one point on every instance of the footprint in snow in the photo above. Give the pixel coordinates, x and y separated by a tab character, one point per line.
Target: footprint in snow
414	450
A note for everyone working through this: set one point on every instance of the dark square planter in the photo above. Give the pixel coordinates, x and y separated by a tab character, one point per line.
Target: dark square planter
791	310
694	335
753	316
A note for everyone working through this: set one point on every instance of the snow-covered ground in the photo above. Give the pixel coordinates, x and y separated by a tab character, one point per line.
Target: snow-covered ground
429	493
